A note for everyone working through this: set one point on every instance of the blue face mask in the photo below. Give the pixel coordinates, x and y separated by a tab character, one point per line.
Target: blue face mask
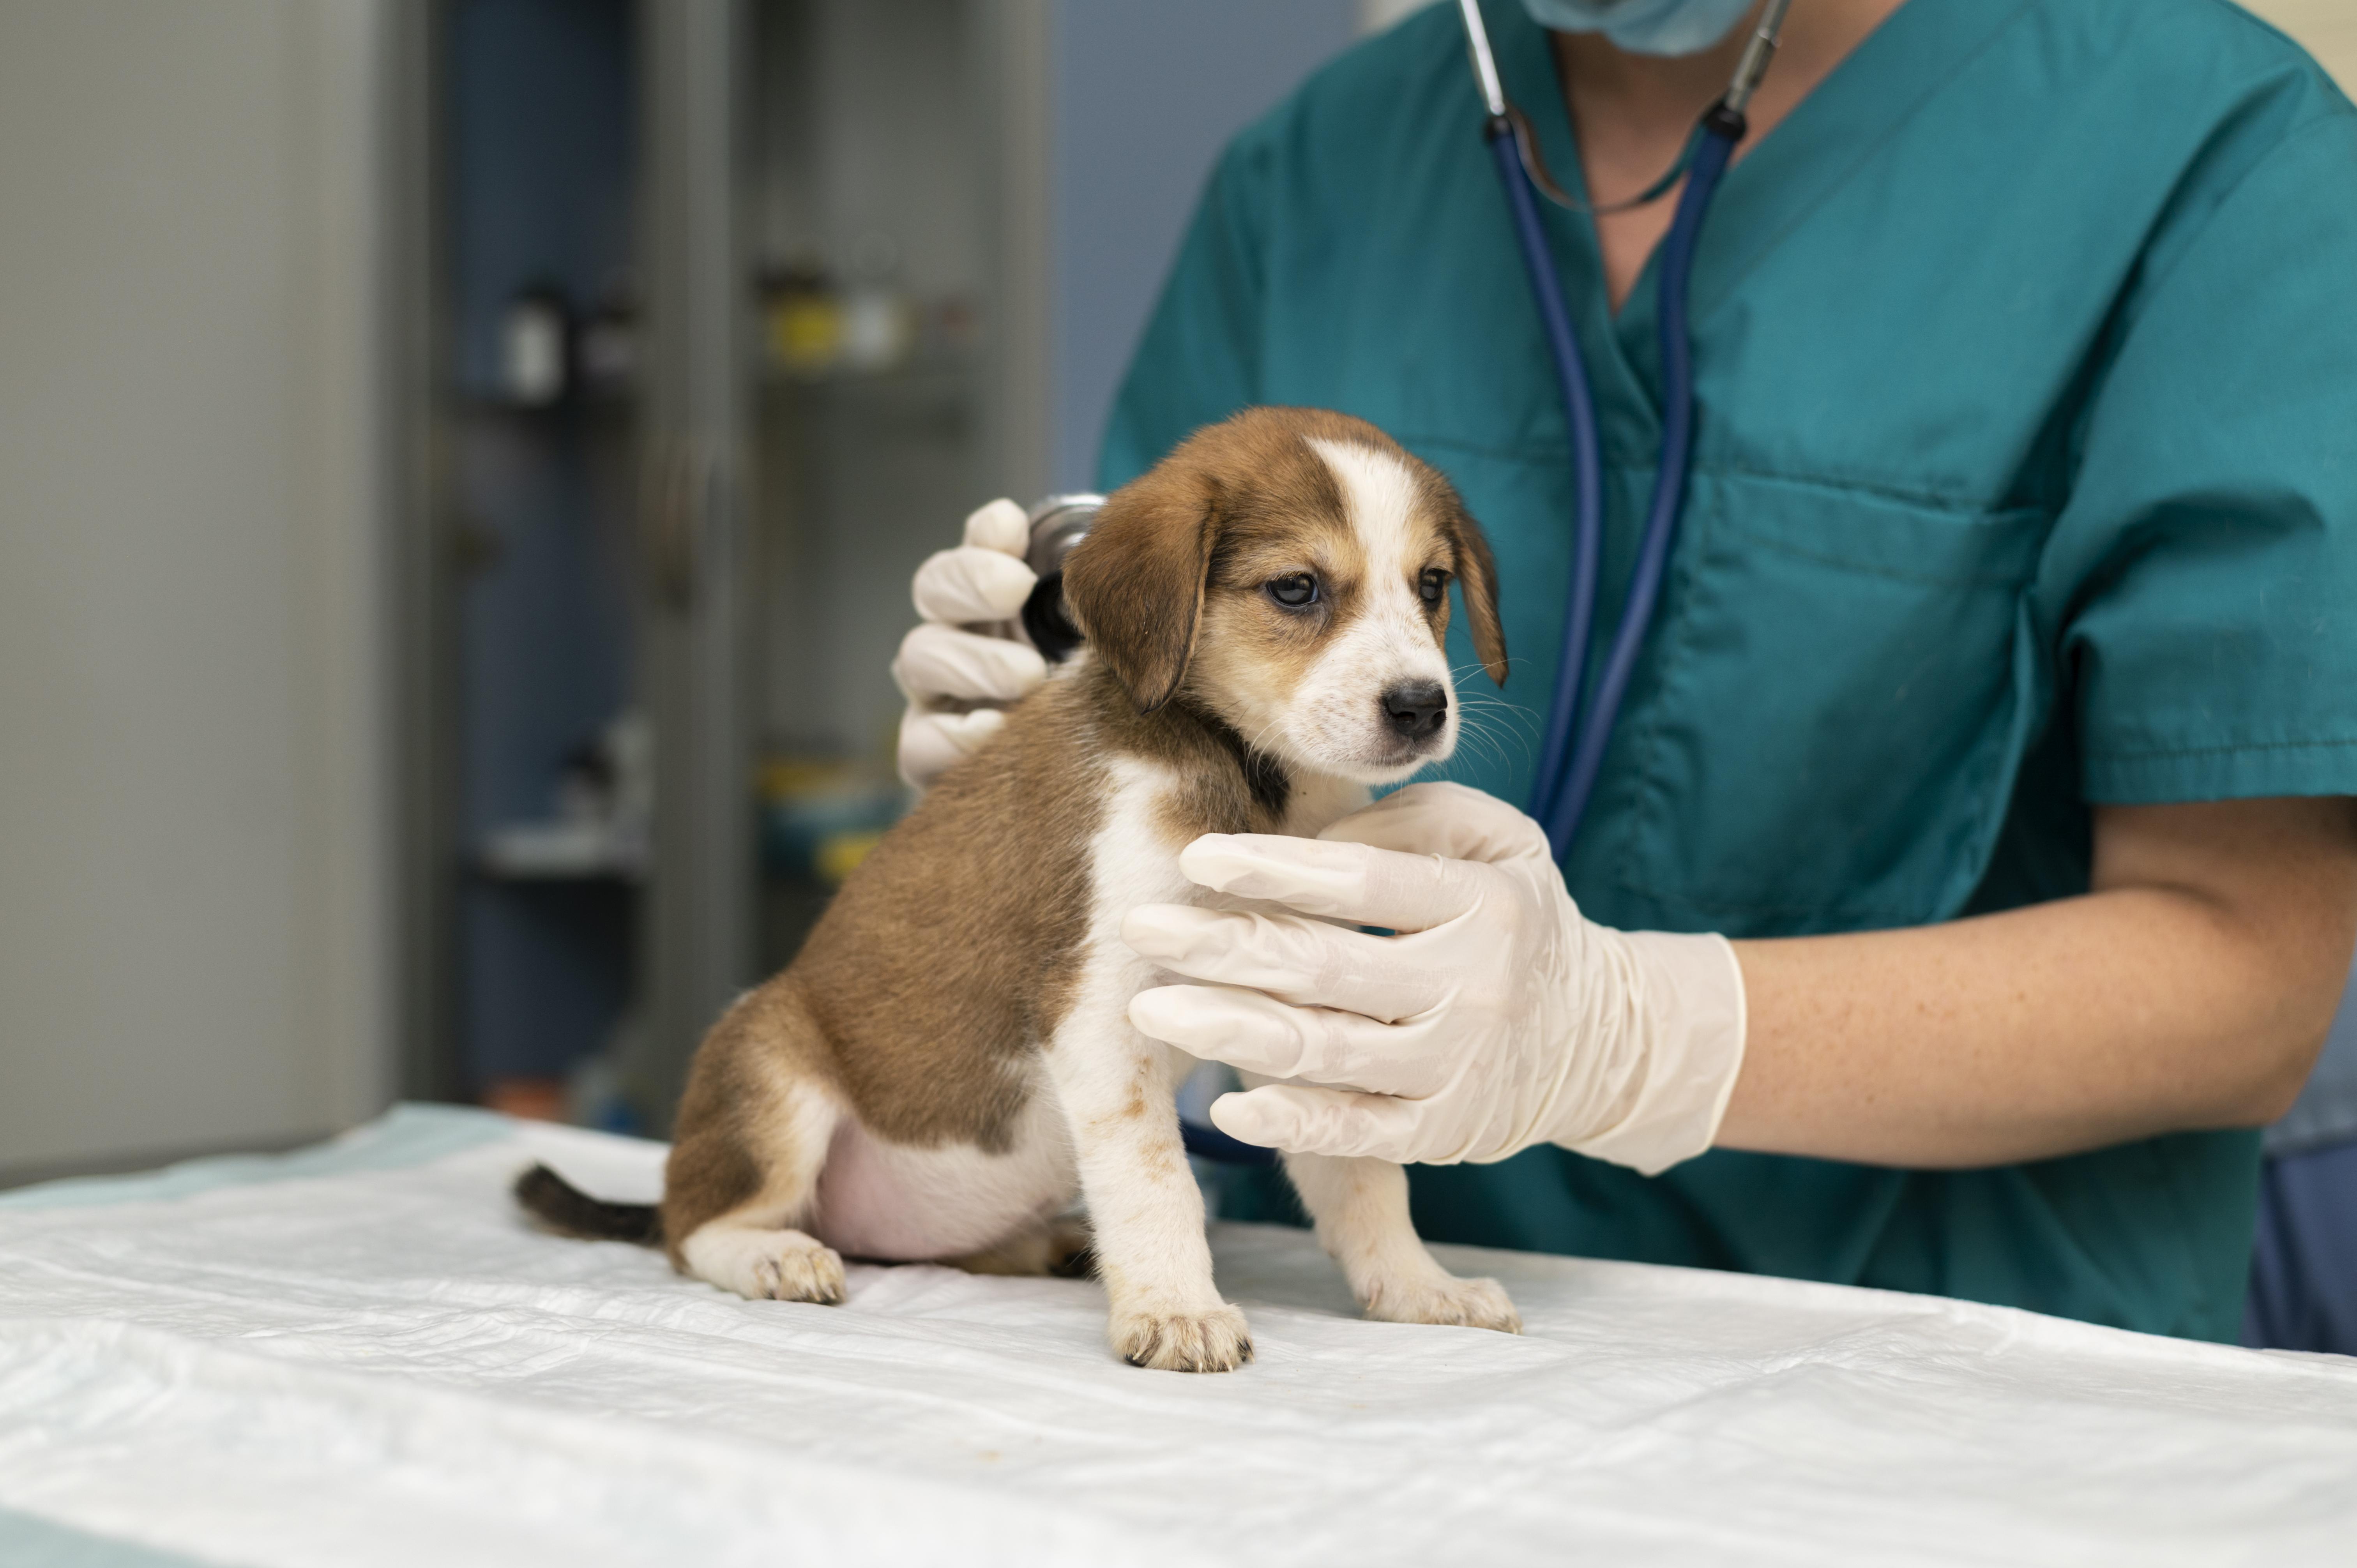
1645	26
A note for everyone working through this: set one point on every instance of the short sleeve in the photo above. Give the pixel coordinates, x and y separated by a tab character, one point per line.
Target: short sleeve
2201	582
1200	358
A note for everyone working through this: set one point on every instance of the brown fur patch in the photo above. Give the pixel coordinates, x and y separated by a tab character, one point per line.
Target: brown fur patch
956	948
1060	1247
1134	586
731	1130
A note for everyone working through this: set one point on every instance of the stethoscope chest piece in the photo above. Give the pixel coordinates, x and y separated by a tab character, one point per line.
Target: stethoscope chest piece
1057	524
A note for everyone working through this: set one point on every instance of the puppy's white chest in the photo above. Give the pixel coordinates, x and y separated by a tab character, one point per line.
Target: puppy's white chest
1135	858
1136	854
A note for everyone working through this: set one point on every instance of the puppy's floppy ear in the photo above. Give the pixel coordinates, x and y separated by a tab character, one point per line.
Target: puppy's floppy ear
1135	583
1477	579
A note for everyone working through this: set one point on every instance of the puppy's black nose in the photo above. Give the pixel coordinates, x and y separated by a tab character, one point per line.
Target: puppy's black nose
1417	708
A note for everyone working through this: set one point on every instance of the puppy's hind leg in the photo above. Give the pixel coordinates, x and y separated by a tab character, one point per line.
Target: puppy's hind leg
1059	1247
743	1175
1360	1209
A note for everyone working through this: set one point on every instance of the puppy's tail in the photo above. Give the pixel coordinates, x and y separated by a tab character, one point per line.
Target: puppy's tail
569	1211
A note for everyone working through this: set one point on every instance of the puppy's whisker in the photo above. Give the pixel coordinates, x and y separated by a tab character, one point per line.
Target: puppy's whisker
1481	742
1474	728
1262	734
1517	717
1524	740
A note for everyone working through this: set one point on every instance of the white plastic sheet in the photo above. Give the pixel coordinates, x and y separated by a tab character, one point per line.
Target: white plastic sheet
358	1356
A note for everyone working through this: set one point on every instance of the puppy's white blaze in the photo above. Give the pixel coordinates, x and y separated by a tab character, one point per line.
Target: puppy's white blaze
1378	497
1340	702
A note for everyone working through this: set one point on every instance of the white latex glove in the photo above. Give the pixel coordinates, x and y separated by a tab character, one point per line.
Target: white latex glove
1499	1019
968	649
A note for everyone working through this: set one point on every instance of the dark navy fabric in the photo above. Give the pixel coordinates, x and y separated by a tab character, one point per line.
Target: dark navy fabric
2304	1268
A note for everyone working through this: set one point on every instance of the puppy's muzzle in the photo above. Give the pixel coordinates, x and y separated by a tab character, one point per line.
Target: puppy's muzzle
1417	709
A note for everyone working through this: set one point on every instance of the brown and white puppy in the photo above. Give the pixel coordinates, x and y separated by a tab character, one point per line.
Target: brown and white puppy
950	1059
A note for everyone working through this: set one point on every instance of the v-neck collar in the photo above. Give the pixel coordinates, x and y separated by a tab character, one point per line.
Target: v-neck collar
1764	199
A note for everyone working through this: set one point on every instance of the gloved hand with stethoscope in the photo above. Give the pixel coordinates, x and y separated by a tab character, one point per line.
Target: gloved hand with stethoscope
957	679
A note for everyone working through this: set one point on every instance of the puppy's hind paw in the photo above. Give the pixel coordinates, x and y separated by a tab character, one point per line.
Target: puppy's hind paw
1462	1303
803	1273
1214	1341
765	1265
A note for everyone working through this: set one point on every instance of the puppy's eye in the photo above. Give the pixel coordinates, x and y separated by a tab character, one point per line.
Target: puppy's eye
1432	588
1297	592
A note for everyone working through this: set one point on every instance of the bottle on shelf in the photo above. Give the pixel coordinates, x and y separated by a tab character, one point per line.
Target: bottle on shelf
534	330
879	326
802	315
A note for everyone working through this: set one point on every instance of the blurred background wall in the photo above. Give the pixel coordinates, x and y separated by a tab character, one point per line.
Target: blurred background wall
1134	147
460	466
2328	28
193	829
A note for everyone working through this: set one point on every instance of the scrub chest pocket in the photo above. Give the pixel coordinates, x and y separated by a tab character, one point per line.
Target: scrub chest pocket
1825	731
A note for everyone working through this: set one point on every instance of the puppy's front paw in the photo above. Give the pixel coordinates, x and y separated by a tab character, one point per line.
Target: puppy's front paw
767	1265
1464	1303
1214	1341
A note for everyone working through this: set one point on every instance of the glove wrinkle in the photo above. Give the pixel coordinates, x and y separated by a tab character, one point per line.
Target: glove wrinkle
963	586
1001	525
937	661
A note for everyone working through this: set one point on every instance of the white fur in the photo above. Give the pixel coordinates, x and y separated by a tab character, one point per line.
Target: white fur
1116	1087
1378	493
1336	714
1360	1209
880	1199
764	1265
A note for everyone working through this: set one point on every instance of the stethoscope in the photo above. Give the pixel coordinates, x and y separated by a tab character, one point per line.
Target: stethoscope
1572	750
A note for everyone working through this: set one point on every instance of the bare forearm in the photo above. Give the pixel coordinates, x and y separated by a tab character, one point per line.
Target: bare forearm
2162	1003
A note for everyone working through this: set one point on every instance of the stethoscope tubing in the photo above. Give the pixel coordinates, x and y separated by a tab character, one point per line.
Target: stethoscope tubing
1587	464
1582	730
1674	298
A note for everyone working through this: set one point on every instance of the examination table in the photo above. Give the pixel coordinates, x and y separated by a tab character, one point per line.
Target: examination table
358	1355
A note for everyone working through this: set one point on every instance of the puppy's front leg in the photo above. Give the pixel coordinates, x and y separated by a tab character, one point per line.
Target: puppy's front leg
1144	1205
1359	1206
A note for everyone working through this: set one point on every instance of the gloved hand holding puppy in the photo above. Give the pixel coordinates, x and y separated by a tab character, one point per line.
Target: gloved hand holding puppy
1497	1018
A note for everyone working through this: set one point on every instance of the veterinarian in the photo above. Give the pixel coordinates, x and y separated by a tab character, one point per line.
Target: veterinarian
1973	866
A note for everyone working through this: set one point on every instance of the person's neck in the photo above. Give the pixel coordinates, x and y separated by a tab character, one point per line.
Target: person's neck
1632	111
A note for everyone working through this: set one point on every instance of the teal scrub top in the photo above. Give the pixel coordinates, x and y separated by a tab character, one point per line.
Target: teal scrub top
2026	480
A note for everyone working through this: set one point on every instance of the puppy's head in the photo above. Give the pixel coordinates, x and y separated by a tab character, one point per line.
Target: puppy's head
1289	571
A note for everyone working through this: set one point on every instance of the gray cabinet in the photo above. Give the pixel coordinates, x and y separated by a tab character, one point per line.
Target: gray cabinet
670	582
816	304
